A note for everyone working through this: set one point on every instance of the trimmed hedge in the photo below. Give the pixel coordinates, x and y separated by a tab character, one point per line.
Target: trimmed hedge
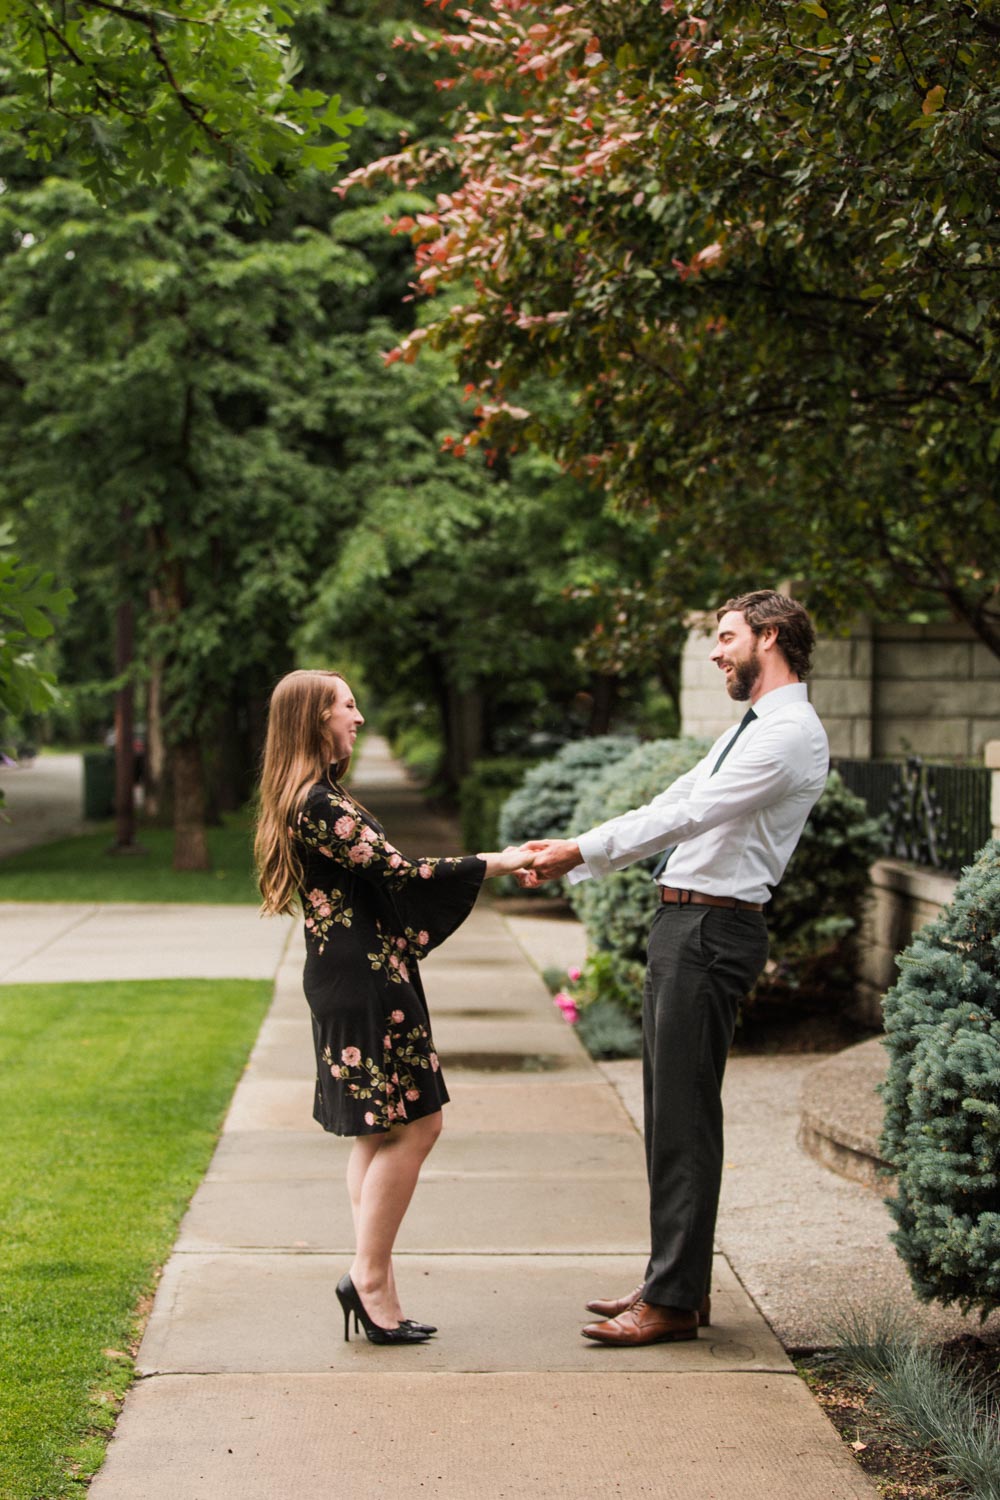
941	1131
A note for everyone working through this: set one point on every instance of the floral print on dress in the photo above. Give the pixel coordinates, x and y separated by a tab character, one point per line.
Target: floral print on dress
394	951
325	910
389	1084
341	833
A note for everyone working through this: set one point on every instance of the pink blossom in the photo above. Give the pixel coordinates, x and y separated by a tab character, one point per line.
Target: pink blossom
396	1017
335	1070
324	910
425	872
322	849
351	1056
434	1062
574	974
310	922
395	860
344	827
567	1005
404	973
316	896
390	1110
360	854
395	1077
394	960
369	835
387	1042
412	1094
423	938
369	1117
400	944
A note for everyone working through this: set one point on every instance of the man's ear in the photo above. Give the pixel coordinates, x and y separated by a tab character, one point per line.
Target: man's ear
768	637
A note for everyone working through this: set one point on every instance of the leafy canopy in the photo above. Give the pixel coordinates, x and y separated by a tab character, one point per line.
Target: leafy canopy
131	93
759	243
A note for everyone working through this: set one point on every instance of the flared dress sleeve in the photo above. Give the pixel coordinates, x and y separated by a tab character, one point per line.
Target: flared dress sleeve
432	895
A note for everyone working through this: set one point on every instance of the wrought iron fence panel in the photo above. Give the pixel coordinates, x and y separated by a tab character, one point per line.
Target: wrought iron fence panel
933	815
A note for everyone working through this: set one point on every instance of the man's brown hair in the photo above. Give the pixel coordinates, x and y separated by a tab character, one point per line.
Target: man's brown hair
765	608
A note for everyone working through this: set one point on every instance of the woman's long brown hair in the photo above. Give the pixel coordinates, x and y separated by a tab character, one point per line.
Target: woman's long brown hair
295	758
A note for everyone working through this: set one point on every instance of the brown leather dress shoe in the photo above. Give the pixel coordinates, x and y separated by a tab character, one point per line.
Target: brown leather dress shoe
610	1307
645	1323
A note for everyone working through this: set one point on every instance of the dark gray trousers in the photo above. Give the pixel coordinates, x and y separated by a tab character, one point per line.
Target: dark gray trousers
702	960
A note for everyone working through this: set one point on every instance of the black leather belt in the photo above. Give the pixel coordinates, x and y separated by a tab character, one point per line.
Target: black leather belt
671	897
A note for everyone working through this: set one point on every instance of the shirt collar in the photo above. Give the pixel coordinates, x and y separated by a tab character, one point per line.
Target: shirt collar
793	692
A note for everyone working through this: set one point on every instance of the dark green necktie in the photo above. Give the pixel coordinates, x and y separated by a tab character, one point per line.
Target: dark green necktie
747	718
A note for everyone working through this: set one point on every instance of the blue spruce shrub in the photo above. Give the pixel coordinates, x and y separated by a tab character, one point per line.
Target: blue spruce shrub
542	806
941	1132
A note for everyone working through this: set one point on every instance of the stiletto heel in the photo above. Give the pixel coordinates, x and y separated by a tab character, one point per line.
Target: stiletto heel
350	1301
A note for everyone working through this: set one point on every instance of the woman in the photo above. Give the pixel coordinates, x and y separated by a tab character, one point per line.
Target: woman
370	915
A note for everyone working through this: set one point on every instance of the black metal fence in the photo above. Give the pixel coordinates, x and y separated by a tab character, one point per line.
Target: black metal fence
934	815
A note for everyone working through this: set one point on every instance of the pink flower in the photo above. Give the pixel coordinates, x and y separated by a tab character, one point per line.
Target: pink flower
351	1056
369	835
315	897
335	1070
387	1042
423	938
574	974
390	1110
404	973
412	1094
400	944
360	854
310	922
369	1117
425	872
395	860
344	827
394	960
324	910
434	1062
396	1017
567	1005
322	849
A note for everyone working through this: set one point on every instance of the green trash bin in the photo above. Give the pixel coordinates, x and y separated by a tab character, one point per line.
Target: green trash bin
99	784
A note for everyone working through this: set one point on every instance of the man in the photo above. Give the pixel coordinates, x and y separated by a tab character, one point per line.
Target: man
728	828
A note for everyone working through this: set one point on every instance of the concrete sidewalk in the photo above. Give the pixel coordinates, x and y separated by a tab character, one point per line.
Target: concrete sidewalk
533	1201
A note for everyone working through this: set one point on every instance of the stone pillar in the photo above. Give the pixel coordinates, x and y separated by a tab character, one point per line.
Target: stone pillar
991	759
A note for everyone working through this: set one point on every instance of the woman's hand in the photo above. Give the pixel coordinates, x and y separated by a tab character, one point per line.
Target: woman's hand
507	861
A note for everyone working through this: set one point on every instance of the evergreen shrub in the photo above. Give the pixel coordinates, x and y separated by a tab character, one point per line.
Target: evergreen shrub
812	918
542	806
941	1133
481	795
617	911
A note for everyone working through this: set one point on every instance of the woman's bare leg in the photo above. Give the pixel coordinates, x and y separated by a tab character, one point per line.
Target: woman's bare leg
381	1175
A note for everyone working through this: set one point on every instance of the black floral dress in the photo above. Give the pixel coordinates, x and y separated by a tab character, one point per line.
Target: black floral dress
370	915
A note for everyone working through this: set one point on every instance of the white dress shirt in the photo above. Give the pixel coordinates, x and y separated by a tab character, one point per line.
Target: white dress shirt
736	830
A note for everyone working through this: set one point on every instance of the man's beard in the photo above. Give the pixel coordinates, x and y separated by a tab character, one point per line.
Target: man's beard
745	674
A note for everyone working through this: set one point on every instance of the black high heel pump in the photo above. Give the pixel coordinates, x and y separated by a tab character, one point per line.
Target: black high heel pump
403	1333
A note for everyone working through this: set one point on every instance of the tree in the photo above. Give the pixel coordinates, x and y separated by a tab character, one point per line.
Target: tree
759	242
132	93
164	433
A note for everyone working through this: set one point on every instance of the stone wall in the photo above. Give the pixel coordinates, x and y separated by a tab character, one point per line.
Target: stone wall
883	691
902	897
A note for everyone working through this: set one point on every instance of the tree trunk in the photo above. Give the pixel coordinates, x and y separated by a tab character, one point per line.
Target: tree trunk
157	799
124	733
190	843
464	742
605	697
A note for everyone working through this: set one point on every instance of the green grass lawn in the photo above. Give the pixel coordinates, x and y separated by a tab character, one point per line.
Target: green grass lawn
81	869
111	1098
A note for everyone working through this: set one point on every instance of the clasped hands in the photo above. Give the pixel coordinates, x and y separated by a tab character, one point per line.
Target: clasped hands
534	861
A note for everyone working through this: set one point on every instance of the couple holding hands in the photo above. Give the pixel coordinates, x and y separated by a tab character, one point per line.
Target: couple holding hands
725	831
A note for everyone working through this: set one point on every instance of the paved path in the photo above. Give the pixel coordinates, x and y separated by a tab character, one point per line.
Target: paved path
43	801
533	1201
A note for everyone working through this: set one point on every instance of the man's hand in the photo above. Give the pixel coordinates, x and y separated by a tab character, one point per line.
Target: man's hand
553	857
